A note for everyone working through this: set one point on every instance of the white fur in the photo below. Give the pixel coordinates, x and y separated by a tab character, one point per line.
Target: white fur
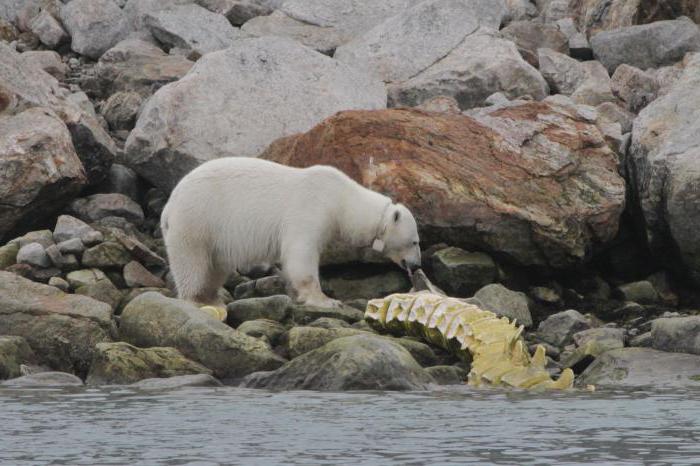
235	213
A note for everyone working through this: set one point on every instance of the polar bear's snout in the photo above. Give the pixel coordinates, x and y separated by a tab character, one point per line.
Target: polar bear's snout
401	238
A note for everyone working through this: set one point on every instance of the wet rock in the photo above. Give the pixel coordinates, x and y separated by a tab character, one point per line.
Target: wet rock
559	329
599	15
99	206
300	340
84	277
44	379
278	68
272	307
135	65
94	25
530	36
122	363
484	63
269	330
61	328
462	273
641	292
176	382
192	27
549	205
14	351
104	291
634	87
646	46
137	276
36	148
504	302
48	29
154	320
107	254
33	254
303	315
630	367
663	171
677	334
413	40
360	362
447	375
121	110
356	284
46	60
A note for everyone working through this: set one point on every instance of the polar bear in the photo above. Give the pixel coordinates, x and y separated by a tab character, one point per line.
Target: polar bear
234	213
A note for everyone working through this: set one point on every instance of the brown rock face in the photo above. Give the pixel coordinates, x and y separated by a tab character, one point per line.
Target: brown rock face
532	181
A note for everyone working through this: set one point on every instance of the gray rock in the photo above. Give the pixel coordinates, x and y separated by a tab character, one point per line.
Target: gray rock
663	165
611	337
103	291
33	254
65	262
641	292
634	87
266	87
614	113
645	340
192	27
59	283
44	379
154	320
676	334
43	237
238	12
359	285
61	328
262	287
47	60
136	11
559	329
270	330
447	375
305	314
107	254
586	82
14	351
99	206
69	228
360	362
461	272
530	36
49	30
329	322
484	63
121	363
301	340
504	302
580	47
121	110
636	367
408	43
596	87
94	25
273	308
422	353
648	45
84	277
36	148
138	276
555	10
176	382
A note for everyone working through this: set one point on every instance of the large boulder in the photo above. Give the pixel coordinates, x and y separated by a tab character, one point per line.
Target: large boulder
94	25
360	362
636	367
154	320
676	334
461	272
265	88
482	64
122	363
39	169
664	172
534	181
300	340
647	46
601	15
191	27
61	328
24	85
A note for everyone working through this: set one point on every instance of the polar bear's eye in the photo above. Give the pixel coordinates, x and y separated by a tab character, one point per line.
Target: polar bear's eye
415	243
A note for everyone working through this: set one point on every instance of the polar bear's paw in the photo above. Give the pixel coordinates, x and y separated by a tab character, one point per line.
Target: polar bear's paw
217	312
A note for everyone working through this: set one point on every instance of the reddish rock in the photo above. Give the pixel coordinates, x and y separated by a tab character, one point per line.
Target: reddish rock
532	181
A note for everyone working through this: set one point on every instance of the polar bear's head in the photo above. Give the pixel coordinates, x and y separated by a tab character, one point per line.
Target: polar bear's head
398	238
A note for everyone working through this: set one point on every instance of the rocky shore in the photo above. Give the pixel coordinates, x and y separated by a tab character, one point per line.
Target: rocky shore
549	149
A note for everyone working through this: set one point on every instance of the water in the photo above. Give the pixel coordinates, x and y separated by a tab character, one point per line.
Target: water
209	426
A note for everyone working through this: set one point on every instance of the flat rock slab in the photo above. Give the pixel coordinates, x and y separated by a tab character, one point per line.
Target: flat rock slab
44	379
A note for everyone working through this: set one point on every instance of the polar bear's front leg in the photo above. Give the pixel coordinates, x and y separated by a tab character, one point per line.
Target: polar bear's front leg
300	268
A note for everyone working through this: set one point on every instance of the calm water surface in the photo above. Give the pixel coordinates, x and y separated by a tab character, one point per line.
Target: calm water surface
212	426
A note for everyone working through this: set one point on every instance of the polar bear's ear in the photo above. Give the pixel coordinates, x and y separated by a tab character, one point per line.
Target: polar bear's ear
397	215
